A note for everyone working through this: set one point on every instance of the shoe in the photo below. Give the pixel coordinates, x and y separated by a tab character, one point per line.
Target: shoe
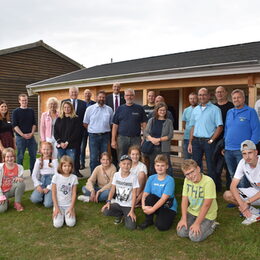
252	219
78	174
83	198
230	205
254	210
214	225
145	225
118	220
82	167
18	206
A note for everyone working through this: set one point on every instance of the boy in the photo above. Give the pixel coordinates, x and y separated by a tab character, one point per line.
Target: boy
199	206
125	185
158	197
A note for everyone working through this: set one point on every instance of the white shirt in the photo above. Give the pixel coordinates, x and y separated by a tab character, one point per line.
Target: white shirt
252	174
140	167
64	187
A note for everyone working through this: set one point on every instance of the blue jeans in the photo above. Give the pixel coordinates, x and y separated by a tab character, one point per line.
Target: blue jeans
185	149
232	158
201	146
38	197
102	196
69	152
98	144
83	147
22	144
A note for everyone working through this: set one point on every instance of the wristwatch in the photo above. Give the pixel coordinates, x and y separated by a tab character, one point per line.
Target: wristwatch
108	201
210	141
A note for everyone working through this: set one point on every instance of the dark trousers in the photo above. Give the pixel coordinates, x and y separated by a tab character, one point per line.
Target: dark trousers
165	216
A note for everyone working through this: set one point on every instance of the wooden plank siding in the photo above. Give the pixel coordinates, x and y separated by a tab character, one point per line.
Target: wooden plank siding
24	67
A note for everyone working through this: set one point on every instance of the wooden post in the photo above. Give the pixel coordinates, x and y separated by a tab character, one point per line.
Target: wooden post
252	91
145	96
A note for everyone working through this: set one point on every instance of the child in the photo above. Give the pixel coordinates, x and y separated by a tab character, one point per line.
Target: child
158	197
139	169
198	206
100	181
43	171
124	184
11	181
64	189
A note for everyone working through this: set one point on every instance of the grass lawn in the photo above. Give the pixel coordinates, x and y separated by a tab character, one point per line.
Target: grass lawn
30	235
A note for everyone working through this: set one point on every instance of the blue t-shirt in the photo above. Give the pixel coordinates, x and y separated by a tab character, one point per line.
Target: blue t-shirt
129	119
158	188
186	116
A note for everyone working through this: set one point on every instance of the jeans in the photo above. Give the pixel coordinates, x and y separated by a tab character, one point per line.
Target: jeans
232	158
199	147
98	144
22	144
69	152
38	197
102	196
124	142
185	149
83	148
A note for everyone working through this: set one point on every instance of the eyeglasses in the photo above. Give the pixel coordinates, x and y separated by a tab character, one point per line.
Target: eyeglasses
188	174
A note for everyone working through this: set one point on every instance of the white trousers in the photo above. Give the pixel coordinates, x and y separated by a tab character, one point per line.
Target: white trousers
59	220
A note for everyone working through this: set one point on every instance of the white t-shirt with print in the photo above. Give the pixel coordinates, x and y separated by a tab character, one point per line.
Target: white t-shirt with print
140	167
124	188
64	188
252	174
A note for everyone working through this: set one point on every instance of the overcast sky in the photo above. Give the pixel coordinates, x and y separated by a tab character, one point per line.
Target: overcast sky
93	31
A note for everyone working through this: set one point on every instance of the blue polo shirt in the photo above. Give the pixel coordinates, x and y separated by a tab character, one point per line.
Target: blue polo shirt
241	124
205	120
186	116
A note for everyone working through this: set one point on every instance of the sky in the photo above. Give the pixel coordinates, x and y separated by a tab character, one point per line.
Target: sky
92	32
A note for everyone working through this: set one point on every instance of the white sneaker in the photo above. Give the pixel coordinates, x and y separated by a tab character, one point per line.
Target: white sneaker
252	219
214	225
83	198
254	210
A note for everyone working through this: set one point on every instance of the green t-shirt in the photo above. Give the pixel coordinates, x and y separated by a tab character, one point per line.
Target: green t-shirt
197	192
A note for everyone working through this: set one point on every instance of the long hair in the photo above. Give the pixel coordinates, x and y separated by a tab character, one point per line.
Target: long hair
72	112
7	114
41	158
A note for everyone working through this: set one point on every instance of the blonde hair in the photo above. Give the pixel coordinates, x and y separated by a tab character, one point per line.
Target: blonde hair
187	164
7	150
72	112
41	158
161	158
65	159
134	147
52	100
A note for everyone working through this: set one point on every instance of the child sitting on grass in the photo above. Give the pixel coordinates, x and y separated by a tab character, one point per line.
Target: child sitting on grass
43	171
158	197
124	185
199	206
64	191
11	181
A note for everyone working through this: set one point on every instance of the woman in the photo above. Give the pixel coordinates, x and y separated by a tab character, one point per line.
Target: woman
48	120
6	129
67	130
159	131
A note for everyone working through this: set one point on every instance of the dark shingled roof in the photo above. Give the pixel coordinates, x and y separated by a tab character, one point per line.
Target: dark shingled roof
226	54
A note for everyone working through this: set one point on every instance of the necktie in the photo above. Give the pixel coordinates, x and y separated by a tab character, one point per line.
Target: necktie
116	102
74	104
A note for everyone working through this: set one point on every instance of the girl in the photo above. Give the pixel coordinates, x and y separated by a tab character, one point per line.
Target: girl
11	181
99	183
139	169
43	171
64	189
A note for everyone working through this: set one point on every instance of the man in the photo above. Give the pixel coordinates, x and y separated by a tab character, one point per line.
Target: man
115	99
150	102
98	120
193	100
80	108
242	124
24	124
222	102
89	102
127	123
248	167
206	126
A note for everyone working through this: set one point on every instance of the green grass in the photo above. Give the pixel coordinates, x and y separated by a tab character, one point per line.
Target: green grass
30	235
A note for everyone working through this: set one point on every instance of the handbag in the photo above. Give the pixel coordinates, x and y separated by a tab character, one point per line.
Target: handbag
147	147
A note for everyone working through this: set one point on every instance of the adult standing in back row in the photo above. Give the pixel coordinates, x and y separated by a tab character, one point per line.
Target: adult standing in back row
127	123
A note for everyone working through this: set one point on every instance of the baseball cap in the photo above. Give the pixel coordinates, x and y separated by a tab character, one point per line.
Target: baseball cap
125	157
247	145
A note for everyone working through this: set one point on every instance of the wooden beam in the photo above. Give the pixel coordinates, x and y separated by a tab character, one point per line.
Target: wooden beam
145	91
252	91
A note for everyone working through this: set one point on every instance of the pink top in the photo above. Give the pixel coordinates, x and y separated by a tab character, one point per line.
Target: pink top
8	177
46	125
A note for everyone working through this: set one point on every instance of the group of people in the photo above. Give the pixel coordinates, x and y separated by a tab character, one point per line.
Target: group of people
227	133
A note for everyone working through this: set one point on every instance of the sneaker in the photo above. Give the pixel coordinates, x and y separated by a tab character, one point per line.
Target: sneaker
18	206
230	205
145	225
252	219
83	198
118	220
214	225
254	210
